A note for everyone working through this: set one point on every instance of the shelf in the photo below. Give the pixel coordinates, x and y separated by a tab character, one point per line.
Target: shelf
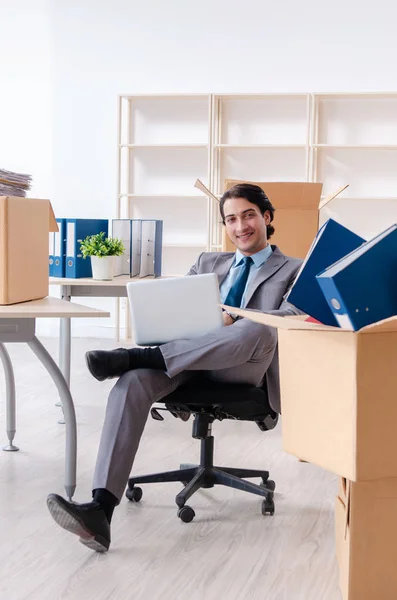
181	245
354	95
243	96
364	198
263	146
163	96
161	196
357	146
163	146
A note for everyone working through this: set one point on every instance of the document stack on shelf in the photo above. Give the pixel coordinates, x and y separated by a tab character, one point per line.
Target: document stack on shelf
14	184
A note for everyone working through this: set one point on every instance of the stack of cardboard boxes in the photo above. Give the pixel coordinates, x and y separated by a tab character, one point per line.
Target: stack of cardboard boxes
339	411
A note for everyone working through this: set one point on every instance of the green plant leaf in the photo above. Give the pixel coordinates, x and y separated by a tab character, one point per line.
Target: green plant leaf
99	245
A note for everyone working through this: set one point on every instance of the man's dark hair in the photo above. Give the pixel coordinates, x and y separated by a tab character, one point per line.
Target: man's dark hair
255	195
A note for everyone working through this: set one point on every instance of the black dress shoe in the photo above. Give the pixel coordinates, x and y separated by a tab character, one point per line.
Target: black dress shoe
106	364
88	521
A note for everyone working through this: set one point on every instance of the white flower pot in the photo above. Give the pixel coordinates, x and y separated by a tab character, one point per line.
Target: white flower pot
102	267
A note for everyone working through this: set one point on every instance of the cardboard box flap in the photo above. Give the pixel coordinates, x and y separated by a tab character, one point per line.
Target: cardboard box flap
278	322
53	225
385	326
200	186
328	199
287	195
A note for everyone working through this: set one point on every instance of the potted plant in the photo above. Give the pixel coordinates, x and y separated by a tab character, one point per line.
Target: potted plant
102	251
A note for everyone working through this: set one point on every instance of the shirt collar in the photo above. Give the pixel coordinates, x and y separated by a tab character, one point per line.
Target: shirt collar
259	257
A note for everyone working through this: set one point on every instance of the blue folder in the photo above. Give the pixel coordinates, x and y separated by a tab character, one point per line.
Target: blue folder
332	242
361	288
58	269
51	254
76	231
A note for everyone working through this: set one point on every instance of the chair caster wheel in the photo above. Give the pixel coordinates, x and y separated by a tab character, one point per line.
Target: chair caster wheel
269	485
134	494
268	507
186	514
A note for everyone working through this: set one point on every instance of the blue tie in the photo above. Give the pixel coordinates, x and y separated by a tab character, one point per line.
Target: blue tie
236	292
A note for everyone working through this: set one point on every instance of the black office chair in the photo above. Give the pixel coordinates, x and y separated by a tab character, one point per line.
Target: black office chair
208	401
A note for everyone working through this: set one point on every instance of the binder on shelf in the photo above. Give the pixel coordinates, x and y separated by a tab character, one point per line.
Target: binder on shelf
51	254
76	231
332	242
59	249
361	288
129	230
151	248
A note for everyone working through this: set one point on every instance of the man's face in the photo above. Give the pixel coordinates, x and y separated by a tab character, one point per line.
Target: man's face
245	225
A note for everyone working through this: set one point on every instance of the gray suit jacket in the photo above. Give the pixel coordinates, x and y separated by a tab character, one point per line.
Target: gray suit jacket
266	294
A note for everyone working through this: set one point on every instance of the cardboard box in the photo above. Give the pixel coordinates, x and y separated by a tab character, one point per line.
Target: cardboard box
338	394
366	539
296	219
24	224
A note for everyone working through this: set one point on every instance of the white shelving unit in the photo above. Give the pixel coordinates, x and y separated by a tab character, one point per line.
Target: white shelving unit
258	137
354	140
164	145
166	142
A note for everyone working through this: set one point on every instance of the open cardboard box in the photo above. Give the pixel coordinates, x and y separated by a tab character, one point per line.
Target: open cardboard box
366	539
24	227
338	394
296	219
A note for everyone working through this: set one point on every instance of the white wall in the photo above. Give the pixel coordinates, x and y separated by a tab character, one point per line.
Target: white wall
26	97
26	91
102	48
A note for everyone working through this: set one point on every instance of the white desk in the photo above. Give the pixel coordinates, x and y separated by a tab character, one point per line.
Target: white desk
18	324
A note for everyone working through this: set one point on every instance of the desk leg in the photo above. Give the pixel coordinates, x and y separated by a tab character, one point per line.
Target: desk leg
10	399
64	344
68	410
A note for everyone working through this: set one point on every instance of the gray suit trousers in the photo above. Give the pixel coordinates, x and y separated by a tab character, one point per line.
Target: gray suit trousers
239	353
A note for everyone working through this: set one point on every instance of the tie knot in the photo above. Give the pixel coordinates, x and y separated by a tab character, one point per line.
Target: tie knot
247	260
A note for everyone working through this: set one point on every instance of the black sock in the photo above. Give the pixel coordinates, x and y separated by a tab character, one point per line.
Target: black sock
106	500
146	358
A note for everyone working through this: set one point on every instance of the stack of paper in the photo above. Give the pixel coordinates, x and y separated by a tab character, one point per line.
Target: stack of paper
14	184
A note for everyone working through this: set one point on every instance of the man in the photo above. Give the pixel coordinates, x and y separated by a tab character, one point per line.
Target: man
257	276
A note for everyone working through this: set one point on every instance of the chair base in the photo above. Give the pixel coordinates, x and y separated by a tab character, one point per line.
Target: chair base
206	475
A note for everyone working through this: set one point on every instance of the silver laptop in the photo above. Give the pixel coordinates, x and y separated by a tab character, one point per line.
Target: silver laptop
163	310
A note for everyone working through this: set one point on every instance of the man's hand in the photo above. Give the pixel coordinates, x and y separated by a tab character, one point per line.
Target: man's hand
227	319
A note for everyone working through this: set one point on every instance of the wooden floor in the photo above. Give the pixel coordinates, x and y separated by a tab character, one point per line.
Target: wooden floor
229	552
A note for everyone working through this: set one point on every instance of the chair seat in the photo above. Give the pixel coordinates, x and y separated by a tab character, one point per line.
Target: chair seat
223	400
